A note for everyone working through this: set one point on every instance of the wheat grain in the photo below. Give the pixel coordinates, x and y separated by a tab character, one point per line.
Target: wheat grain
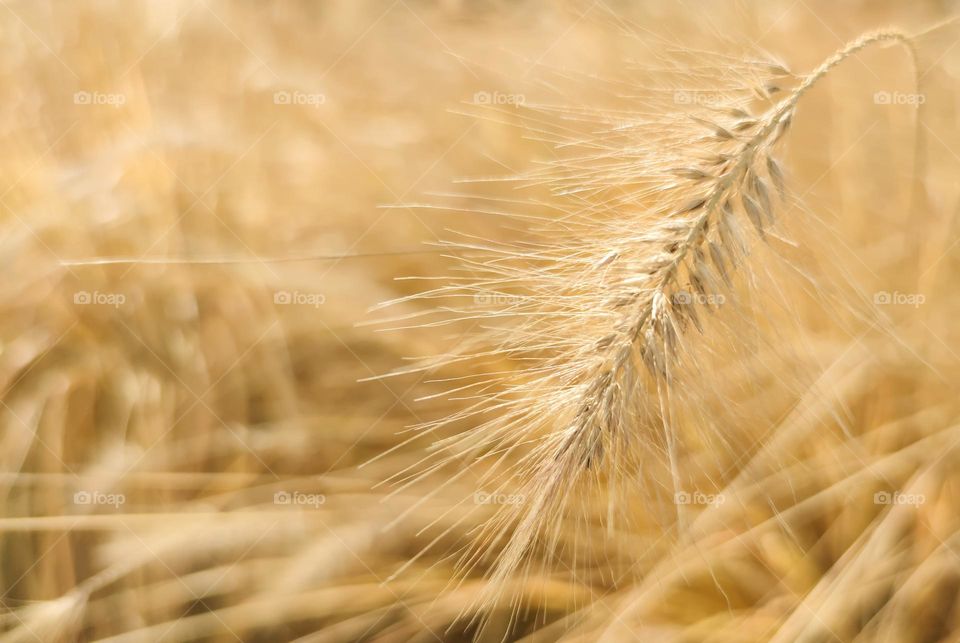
589	319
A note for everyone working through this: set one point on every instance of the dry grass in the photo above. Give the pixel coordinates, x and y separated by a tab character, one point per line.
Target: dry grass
682	341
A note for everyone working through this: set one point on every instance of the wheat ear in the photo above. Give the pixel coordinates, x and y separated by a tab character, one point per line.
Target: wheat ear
659	319
586	352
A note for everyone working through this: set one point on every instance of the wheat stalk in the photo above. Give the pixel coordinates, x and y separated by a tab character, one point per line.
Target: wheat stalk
607	300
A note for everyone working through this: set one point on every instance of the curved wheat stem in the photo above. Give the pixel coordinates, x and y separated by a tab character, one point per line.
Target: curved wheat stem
655	314
622	310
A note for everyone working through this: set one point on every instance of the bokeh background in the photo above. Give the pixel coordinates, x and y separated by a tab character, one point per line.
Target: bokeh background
181	435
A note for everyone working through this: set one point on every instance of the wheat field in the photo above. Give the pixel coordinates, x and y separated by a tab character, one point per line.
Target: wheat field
452	320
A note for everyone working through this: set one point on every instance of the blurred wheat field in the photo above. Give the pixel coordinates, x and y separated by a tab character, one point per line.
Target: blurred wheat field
213	431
